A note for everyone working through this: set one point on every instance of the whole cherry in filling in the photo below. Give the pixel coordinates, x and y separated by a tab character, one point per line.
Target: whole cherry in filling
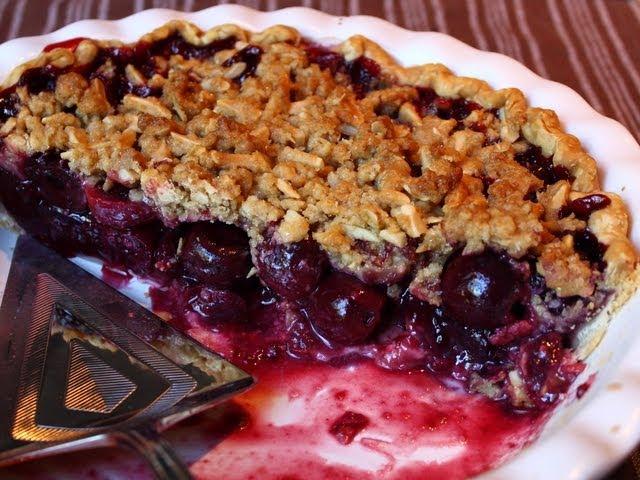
114	208
215	254
216	305
54	182
132	249
292	270
547	369
481	290
345	311
541	166
9	105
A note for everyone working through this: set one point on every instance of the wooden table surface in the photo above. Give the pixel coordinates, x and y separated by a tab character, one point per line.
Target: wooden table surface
591	45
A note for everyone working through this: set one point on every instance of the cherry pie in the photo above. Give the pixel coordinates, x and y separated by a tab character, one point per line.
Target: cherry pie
323	203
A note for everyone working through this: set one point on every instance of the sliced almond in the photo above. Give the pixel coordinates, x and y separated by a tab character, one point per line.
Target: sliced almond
286	188
409	220
399	239
288	154
360	233
255	161
151	106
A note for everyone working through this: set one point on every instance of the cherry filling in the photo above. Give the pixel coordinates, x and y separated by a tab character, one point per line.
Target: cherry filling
40	79
176	45
9	105
430	103
345	311
300	307
325	58
483	290
216	306
363	73
583	207
541	166
250	56
546	369
215	254
588	247
291	270
51	179
115	209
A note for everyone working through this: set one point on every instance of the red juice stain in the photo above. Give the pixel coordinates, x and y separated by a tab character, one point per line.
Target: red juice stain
416	427
71	44
584	387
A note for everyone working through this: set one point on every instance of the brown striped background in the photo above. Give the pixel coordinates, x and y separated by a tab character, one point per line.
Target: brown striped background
591	45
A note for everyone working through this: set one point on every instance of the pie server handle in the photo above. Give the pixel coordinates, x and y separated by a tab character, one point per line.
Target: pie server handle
163	460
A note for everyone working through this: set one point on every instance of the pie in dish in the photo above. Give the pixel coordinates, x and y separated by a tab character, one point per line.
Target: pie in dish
323	203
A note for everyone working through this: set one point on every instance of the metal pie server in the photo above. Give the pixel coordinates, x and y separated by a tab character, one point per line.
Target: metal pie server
83	366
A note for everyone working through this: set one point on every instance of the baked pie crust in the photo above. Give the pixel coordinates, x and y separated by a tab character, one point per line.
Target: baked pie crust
304	151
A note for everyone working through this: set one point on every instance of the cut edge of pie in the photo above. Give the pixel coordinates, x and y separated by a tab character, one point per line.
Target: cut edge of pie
403	203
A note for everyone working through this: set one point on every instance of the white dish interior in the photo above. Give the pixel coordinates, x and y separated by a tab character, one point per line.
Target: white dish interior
584	438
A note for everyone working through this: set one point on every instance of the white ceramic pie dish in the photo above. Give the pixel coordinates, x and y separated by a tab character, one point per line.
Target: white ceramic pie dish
584	438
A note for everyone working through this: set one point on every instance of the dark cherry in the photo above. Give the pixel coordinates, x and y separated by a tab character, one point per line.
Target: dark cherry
117	86
546	369
132	249
53	181
430	103
215	254
365	75
68	233
347	426
122	56
586	244
40	79
409	341
425	101
291	270
9	105
583	207
250	56
541	166
345	311
177	45
113	208
166	255
480	290
217	305
486	183
302	341
510	333
325	58
114	79
461	108
71	44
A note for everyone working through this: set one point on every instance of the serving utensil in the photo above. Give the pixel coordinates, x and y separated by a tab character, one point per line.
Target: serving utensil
83	366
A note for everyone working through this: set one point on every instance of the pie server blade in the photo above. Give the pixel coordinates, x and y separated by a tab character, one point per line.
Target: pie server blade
81	366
